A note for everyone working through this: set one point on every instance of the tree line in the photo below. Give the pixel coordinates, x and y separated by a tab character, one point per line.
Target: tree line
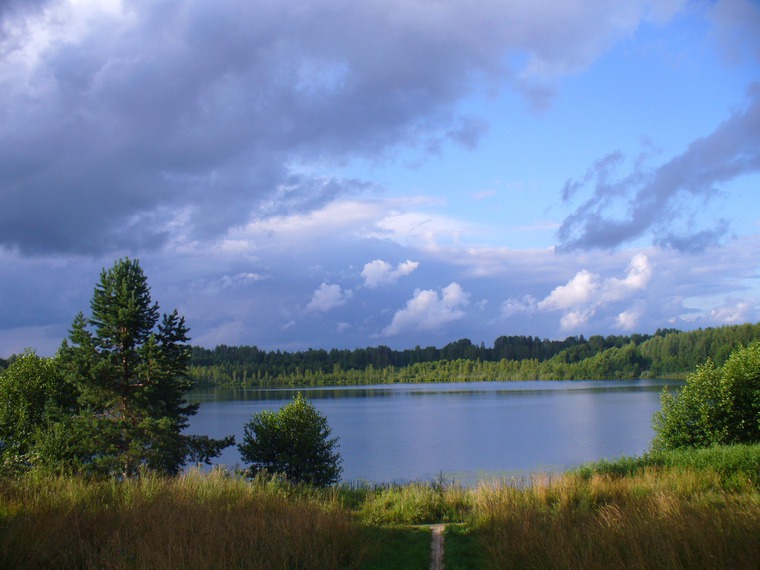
668	352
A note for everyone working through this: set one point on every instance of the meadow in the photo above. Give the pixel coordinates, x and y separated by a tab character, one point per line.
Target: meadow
698	509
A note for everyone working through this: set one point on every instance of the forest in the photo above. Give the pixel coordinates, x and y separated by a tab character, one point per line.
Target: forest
666	353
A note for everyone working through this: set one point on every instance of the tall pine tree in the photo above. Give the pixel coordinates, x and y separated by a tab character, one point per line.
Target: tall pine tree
129	368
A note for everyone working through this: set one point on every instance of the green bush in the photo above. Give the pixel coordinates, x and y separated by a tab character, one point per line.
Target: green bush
717	406
295	442
32	393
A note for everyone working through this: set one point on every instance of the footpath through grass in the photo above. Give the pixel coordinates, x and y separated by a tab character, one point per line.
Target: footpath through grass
687	510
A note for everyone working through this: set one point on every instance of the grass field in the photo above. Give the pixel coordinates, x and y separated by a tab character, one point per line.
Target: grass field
655	519
680	510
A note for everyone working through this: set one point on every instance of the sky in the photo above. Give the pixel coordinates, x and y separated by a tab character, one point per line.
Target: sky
298	174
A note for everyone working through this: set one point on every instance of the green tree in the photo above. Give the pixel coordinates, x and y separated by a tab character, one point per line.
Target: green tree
129	367
295	442
716	406
32	396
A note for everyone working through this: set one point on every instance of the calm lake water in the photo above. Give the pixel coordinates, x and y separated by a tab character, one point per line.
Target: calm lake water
467	431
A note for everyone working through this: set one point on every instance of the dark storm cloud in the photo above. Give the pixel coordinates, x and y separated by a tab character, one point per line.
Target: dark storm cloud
199	107
656	201
127	126
14	8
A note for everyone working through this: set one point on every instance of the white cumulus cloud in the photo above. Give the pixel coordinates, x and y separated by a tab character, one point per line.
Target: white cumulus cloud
379	272
328	297
639	275
578	291
629	319
527	304
581	298
575	319
427	311
733	312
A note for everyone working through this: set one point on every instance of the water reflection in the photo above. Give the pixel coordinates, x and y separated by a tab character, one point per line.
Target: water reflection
467	389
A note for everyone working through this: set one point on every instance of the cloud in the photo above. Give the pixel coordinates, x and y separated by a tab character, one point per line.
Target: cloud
328	297
735	24
628	320
379	272
578	291
586	293
655	200
41	296
527	304
734	312
226	145
229	332
13	27
575	319
241	279
427	311
45	340
130	126
420	229
639	273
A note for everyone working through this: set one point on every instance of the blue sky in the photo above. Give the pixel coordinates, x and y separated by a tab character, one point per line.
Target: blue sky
342	174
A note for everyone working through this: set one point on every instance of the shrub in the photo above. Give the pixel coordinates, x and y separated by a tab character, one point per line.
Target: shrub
295	442
716	406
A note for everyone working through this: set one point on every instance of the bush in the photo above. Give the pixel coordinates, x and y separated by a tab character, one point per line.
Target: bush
717	406
294	442
32	392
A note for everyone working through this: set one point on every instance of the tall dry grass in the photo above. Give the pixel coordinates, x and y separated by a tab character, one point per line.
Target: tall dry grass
195	521
608	516
656	519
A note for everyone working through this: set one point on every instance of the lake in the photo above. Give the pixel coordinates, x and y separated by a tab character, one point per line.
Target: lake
466	431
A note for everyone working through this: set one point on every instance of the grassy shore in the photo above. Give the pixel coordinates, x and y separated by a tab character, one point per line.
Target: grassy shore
655	519
687	510
193	521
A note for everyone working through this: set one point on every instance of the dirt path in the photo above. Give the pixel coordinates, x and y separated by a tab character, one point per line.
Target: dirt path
436	547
